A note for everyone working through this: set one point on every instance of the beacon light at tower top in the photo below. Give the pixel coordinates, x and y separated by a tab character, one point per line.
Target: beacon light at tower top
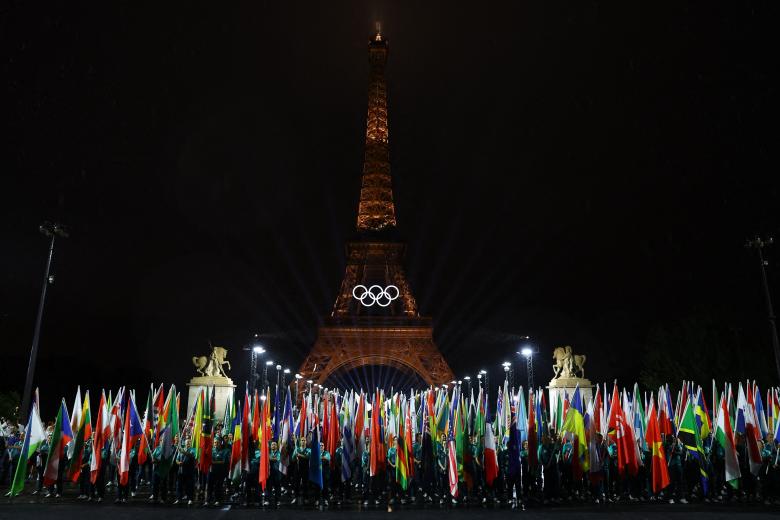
257	349
527	352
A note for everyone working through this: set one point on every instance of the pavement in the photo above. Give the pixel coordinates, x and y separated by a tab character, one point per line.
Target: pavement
28	507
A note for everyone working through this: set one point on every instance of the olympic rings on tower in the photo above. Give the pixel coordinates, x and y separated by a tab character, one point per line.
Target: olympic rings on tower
375	294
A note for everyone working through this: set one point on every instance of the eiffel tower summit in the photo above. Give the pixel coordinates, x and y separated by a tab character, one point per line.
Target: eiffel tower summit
375	336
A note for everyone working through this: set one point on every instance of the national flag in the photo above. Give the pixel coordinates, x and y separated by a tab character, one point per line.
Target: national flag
147	425
452	462
660	470
265	441
84	432
59	439
533	430
286	440
206	441
688	433
724	435
623	434
236	451
133	430
75	420
490	456
34	436
101	435
315	459
574	423
751	430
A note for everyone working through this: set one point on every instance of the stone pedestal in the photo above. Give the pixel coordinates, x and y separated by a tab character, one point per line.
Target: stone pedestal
223	389
565	386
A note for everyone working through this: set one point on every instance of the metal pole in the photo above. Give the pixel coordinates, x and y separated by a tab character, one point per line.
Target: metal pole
24	410
759	244
253	370
530	372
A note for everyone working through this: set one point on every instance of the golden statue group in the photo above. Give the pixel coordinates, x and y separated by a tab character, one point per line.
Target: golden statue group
446	446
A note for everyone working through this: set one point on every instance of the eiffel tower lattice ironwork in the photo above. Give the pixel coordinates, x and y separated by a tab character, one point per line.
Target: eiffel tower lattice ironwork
387	333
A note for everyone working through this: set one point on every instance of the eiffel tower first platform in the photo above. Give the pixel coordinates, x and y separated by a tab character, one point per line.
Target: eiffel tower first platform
383	329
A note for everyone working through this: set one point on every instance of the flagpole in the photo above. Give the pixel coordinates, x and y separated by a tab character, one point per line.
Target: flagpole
52	231
758	243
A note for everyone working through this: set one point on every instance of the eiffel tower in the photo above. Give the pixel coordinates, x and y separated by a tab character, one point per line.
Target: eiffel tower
383	329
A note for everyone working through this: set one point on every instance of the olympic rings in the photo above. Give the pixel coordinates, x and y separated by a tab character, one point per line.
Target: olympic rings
375	294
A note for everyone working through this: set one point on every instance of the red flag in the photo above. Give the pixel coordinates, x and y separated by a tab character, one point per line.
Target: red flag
624	437
653	437
532	432
255	418
264	442
101	430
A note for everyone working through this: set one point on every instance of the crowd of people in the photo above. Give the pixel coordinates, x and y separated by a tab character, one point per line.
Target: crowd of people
435	447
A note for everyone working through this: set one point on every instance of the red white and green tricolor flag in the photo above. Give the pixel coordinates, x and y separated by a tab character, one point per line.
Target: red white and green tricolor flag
33	438
725	437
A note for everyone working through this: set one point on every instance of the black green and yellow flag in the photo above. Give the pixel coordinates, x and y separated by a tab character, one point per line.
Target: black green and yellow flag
690	436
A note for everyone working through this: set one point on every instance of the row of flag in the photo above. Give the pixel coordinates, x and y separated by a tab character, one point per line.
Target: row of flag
445	419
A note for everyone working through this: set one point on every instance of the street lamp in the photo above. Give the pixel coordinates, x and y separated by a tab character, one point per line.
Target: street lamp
52	231
508	373
298	377
468	382
255	350
758	243
487	380
528	353
265	373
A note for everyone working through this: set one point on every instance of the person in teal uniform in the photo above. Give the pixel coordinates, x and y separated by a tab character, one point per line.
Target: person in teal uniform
160	480
325	458
391	483
185	473
441	469
548	466
301	460
674	458
220	459
365	471
251	479
84	474
275	474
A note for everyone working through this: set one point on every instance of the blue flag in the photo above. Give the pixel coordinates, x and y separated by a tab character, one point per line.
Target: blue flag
315	460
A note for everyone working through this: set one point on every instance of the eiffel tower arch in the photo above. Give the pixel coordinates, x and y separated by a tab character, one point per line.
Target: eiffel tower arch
375	320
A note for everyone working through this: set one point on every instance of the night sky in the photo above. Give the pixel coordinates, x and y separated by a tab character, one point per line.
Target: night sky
581	173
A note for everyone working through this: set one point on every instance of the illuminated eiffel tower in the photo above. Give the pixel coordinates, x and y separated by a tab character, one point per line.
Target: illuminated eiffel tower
375	324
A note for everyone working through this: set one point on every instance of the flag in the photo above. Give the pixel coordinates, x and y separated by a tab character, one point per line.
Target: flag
75	420
660	470
236	451
265	441
59	439
33	438
315	459
490	457
452	463
746	412
207	417
688	434
84	432
286	436
623	434
133	430
724	435
574	423
101	435
147	426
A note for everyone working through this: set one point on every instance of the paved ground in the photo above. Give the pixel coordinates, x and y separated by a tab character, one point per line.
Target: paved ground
30	508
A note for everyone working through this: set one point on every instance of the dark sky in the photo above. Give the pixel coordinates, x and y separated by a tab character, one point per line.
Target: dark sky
581	172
